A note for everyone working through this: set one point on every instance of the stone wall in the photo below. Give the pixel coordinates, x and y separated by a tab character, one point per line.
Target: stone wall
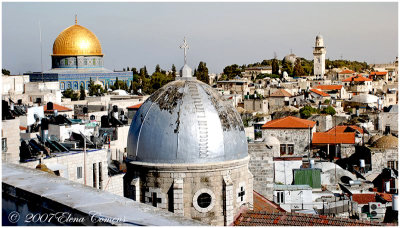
115	184
177	187
69	163
300	138
262	167
380	157
10	133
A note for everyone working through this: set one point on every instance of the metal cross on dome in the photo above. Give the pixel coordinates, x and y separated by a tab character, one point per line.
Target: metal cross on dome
184	46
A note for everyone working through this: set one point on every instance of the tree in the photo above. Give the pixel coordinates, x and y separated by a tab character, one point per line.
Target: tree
307	111
329	110
158	69
298	69
275	65
232	71
127	68
134	71
173	69
82	93
69	93
202	73
5	71
287	66
123	69
143	72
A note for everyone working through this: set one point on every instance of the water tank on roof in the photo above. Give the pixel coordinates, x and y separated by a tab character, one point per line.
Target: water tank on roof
362	163
395	201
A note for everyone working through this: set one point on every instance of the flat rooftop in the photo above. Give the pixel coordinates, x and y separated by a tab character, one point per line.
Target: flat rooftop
48	190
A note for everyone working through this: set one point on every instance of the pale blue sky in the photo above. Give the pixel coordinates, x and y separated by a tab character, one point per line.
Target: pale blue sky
137	34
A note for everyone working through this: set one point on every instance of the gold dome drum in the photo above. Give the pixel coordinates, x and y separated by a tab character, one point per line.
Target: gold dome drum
76	40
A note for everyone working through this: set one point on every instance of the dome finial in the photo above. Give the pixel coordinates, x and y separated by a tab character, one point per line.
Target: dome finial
76	19
184	46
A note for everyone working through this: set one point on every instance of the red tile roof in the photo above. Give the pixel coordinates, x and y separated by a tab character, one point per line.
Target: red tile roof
22	128
288	122
319	92
57	107
332	138
378	73
357	78
364	198
386	196
347	72
281	93
329	87
263	218
344	129
136	106
260	203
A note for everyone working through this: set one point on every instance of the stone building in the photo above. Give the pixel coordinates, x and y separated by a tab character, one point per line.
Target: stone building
384	153
10	140
256	105
294	134
187	153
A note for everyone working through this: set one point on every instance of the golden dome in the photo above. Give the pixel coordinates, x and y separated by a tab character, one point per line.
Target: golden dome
76	40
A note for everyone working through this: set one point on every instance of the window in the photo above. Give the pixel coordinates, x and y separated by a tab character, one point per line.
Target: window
290	149
241	194
100	176
85	62
79	172
392	164
94	62
94	175
283	149
66	62
279	197
4	144
204	200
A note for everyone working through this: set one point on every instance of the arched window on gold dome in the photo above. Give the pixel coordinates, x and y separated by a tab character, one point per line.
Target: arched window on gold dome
62	85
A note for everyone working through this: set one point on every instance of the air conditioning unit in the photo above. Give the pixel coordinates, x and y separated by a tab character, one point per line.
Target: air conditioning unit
377	210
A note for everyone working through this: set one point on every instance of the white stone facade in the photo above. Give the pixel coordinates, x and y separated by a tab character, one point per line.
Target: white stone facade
319	56
178	187
10	136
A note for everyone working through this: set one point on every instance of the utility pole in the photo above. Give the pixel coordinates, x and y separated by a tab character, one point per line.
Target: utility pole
84	157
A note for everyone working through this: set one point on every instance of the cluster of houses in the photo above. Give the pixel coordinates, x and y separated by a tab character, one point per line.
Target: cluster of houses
342	164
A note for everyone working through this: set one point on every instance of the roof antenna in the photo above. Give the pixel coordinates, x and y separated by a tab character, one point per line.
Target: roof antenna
76	19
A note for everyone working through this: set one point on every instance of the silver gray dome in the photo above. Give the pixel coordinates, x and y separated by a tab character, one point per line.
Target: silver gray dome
186	121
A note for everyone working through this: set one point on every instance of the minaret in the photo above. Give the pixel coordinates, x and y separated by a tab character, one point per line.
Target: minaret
319	56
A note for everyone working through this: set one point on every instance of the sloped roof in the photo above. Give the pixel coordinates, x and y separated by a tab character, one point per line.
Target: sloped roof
357	78
329	87
22	128
136	106
364	198
260	203
377	73
332	138
57	107
347	72
288	122
281	93
345	128
386	196
319	92
263	218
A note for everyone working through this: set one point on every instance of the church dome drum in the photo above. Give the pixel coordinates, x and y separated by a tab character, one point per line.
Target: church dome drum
186	122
